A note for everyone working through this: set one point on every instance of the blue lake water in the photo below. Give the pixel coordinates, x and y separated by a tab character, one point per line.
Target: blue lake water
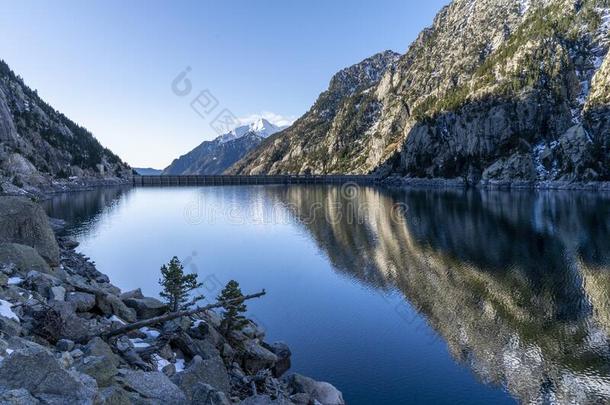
395	297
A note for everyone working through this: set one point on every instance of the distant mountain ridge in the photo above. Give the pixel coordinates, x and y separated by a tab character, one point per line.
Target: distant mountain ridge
147	171
43	150
214	157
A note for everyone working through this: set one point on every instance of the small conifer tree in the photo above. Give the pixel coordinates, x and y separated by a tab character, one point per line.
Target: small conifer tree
177	286
232	315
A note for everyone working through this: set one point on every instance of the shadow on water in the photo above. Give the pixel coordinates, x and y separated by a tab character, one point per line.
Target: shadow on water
516	283
82	210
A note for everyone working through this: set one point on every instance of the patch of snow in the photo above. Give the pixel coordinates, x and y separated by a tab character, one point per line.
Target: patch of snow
542	172
161	362
151	333
179	365
9	351
524	6
115	318
6	311
139	343
15	280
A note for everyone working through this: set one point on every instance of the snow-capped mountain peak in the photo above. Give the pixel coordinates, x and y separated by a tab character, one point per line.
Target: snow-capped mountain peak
260	127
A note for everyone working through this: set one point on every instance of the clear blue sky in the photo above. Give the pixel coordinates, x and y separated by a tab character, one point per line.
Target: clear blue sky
109	65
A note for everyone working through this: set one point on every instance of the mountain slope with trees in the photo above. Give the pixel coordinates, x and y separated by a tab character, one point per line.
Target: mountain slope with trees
43	150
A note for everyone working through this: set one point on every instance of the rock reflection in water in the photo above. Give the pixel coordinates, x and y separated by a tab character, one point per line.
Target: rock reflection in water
516	283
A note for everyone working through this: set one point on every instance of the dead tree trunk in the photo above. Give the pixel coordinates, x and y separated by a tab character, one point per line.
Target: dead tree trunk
173	315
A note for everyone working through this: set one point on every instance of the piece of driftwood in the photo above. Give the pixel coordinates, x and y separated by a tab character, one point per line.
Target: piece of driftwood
173	315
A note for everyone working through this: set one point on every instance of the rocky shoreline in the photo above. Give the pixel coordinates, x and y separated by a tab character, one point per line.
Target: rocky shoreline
44	189
54	305
411	182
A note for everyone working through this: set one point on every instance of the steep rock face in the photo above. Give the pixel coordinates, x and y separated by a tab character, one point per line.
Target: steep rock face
520	94
334	135
38	144
214	157
494	90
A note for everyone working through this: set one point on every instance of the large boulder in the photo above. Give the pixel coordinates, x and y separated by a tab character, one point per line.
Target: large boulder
209	371
323	392
37	371
41	283
110	304
113	395
283	353
99	348
25	222
205	394
100	368
257	357
146	307
154	386
83	301
59	321
18	397
23	258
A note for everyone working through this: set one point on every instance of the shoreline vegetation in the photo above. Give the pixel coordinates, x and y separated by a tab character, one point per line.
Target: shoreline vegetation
67	335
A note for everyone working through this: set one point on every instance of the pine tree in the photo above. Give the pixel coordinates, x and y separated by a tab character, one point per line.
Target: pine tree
177	286
232	315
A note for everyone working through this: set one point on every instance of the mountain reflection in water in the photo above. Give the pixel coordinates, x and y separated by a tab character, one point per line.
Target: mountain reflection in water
517	283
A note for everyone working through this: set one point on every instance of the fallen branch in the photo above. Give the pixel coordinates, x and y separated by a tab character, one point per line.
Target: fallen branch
173	315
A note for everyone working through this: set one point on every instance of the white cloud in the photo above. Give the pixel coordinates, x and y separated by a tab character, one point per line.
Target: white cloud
275	119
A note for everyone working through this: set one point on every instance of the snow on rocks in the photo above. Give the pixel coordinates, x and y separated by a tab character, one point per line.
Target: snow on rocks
6	311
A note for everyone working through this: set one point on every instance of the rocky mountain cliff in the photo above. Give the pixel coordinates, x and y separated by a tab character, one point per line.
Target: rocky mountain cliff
42	150
495	90
214	157
334	135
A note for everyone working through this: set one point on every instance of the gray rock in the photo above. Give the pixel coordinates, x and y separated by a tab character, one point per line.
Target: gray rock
256	357
518	166
265	400
154	386
113	395
205	394
110	304
57	293
24	258
65	345
18	397
137	293
37	371
74	327
253	331
146	307
25	222
195	347
84	301
98	347
100	368
283	353
322	392
169	370
301	399
40	282
209	371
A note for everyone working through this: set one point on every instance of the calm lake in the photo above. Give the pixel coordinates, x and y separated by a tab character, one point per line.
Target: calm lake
395	297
